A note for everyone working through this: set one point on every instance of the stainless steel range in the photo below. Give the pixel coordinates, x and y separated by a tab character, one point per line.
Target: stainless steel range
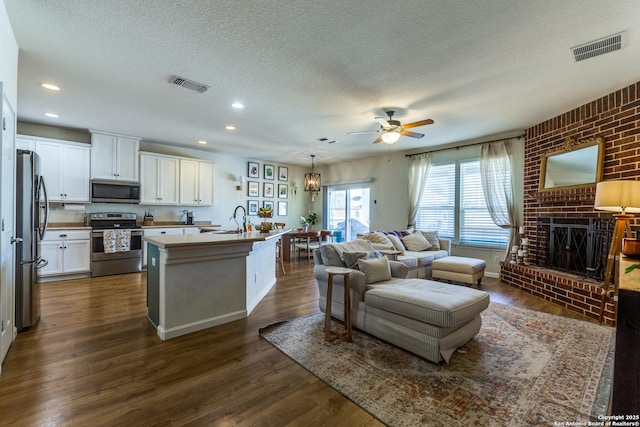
116	243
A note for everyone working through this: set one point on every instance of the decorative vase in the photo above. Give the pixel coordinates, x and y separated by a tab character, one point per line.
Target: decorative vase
306	228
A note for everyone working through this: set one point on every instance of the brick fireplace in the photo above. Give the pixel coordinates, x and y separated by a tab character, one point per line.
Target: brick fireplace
615	118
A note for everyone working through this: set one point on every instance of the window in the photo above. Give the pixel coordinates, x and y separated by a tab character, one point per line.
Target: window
453	204
347	212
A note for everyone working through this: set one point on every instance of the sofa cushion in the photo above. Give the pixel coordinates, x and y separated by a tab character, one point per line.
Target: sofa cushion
351	258
376	237
428	301
425	258
432	237
331	253
397	243
375	270
416	242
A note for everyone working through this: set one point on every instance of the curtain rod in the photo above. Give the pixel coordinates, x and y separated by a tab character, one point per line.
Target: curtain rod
463	146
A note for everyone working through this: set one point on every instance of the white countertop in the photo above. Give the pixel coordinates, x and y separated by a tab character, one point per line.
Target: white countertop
205	239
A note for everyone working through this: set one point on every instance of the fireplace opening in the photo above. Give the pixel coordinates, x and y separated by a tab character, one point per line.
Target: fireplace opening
575	245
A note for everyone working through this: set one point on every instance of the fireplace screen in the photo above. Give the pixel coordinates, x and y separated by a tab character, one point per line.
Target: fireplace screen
576	245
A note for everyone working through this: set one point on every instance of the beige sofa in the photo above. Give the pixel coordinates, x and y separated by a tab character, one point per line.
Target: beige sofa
418	262
428	318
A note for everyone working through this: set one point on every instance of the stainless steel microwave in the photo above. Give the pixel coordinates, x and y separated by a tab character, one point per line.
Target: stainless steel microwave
115	192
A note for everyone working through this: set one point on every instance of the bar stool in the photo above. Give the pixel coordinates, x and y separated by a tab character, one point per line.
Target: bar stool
279	225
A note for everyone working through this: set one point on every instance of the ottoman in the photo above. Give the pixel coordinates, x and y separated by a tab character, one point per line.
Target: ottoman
431	319
459	269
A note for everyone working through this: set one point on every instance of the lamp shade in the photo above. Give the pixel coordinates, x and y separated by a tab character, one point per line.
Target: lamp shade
618	196
390	137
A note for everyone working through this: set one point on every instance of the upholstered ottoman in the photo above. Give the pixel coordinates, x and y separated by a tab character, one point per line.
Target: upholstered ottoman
445	316
459	269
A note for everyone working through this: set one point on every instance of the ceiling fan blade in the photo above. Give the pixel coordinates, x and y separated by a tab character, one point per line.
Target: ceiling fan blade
416	124
363	131
383	122
378	140
411	134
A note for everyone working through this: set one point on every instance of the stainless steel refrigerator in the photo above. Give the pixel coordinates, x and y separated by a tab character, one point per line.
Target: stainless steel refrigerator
32	214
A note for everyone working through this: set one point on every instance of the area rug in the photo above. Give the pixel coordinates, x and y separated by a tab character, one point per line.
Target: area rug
524	368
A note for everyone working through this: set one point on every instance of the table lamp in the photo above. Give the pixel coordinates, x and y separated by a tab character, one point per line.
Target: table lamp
622	197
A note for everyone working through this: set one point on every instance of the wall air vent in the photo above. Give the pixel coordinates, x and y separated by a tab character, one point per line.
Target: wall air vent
599	47
189	84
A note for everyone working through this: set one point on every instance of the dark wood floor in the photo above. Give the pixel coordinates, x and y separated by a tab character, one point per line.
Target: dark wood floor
93	360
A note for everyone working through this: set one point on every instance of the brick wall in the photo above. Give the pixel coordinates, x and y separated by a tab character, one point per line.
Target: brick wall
615	118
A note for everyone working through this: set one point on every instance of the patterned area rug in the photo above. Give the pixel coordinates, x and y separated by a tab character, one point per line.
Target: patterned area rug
523	368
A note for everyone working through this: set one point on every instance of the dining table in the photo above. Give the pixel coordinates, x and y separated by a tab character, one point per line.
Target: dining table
287	237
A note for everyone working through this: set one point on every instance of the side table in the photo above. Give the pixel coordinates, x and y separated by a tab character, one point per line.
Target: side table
346	334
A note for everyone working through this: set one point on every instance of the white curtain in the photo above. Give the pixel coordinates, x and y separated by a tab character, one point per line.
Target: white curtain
497	185
418	170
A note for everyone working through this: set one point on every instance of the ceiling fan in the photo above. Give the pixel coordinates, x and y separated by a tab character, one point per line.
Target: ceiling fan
392	129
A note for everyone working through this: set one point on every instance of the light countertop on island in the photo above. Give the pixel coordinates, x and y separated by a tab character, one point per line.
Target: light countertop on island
205	239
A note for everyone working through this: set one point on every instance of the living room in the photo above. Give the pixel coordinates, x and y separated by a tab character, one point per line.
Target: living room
226	353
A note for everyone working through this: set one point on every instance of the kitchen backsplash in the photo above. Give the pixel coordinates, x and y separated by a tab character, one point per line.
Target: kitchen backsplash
75	213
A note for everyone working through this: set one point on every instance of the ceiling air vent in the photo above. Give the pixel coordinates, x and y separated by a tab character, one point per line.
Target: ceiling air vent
189	84
598	47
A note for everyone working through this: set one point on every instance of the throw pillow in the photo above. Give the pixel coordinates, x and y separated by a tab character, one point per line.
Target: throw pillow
397	243
351	258
416	242
432	237
375	270
378	237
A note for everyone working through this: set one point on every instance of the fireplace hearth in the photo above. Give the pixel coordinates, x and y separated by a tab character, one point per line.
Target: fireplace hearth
576	245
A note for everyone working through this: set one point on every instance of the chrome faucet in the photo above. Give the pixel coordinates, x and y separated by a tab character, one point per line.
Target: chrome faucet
244	218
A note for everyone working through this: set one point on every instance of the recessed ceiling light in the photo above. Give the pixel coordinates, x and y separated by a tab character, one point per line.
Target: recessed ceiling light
49	86
202	142
55	116
238	105
230	127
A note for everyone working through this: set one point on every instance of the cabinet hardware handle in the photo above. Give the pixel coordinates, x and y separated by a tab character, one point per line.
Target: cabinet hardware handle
63	235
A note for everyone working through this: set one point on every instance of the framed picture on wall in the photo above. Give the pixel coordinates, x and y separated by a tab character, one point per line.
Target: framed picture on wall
269	171
283	173
267	190
253	170
252	207
282	191
282	209
267	204
253	188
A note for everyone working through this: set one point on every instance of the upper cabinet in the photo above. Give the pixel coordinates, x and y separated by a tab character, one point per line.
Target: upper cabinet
114	157
196	182
158	179
63	165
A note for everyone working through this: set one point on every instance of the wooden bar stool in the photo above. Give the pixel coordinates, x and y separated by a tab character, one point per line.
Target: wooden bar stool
279	258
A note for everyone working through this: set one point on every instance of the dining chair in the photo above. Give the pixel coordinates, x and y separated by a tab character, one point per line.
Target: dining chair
307	243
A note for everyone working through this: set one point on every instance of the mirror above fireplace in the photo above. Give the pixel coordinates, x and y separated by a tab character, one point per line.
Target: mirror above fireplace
576	164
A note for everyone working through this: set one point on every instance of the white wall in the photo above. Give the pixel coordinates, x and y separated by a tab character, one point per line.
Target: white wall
8	59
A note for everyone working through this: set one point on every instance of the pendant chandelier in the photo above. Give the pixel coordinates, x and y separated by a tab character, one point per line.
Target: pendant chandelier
312	181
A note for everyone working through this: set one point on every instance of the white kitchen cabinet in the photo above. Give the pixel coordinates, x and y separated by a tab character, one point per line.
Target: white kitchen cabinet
25	143
169	231
65	168
114	157
159	176
67	252
196	182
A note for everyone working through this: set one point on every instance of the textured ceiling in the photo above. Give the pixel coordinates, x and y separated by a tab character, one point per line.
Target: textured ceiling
309	69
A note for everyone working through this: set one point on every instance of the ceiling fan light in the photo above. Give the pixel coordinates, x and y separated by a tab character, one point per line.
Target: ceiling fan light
390	137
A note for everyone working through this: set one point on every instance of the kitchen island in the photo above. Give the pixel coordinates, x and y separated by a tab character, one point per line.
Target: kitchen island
196	281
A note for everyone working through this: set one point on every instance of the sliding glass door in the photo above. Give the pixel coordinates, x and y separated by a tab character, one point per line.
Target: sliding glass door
347	211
